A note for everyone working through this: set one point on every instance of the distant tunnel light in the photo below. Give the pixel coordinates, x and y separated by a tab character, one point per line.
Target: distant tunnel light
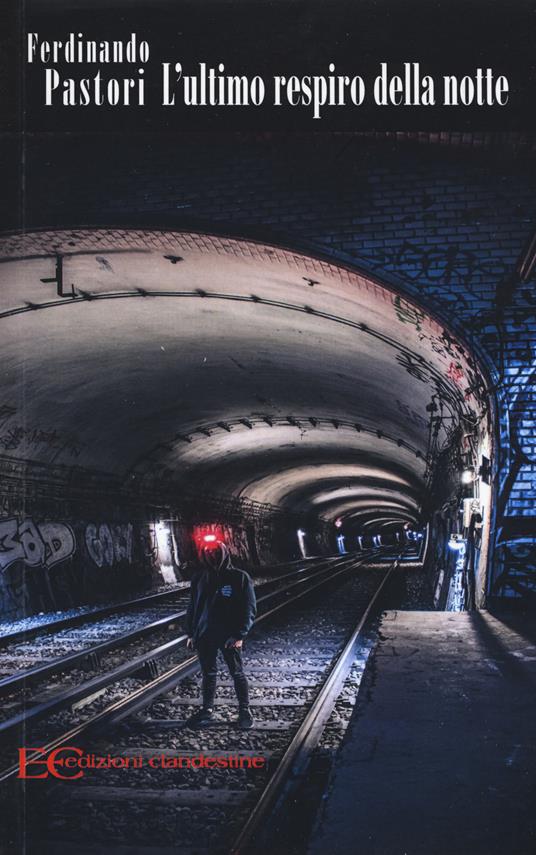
209	538
468	476
301	542
456	542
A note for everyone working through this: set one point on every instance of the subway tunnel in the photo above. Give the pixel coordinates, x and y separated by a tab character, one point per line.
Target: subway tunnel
164	393
187	365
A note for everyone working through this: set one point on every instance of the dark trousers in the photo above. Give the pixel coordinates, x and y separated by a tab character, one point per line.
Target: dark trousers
207	651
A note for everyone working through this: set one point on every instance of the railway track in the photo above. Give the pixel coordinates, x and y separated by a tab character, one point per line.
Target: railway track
43	625
30	696
85	639
297	669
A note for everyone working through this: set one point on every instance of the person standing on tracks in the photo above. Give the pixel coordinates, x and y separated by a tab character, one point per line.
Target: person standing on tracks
221	612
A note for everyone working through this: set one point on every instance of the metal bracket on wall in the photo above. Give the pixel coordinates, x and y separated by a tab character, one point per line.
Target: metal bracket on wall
58	279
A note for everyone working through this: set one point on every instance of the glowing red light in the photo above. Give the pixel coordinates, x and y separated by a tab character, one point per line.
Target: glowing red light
207	537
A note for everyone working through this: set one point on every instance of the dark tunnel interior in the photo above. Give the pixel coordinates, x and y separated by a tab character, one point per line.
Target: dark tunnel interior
194	365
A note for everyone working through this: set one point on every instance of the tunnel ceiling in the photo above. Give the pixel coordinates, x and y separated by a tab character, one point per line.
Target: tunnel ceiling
224	366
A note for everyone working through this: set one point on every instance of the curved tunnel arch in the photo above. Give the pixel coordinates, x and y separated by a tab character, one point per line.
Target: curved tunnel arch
233	366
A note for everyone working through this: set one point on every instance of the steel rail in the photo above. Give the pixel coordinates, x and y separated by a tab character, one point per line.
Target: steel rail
94	615
131	667
296	758
21	679
87	617
134	704
144	695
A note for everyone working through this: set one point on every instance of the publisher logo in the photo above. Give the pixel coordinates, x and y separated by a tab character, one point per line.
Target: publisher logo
61	763
69	763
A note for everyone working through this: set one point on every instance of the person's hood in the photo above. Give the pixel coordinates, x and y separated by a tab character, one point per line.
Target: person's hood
216	558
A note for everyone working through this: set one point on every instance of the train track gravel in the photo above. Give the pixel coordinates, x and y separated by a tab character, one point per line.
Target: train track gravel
288	658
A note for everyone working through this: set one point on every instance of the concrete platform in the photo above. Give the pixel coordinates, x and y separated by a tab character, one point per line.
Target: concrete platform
440	755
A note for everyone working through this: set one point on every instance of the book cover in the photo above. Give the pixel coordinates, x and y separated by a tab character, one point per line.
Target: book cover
266	427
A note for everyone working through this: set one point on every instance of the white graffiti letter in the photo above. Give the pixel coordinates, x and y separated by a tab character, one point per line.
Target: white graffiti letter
100	544
122	538
59	542
10	548
32	543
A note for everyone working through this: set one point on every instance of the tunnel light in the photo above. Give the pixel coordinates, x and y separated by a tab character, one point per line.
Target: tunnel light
208	535
162	536
456	542
210	541
165	547
301	542
168	574
341	545
468	476
338	523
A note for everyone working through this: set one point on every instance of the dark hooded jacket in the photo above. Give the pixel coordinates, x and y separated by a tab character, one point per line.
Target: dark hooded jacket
222	601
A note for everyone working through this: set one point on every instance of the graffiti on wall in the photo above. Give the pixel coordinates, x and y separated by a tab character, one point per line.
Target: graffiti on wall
412	416
17	436
109	544
235	538
517	558
41	544
450	265
45	544
503	331
48	564
516	544
408	314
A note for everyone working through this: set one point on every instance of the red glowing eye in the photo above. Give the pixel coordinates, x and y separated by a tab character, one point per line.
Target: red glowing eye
209	538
